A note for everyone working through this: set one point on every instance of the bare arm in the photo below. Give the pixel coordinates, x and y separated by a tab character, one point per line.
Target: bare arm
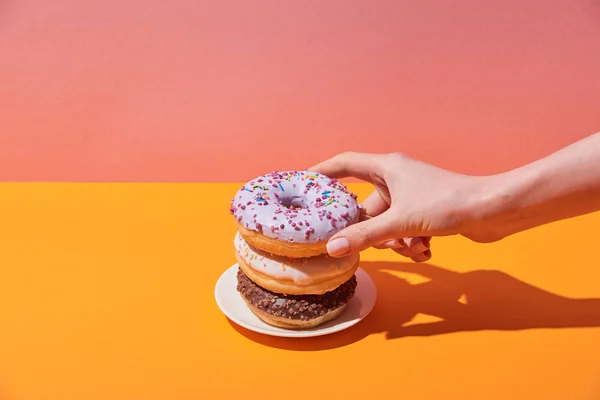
562	185
416	200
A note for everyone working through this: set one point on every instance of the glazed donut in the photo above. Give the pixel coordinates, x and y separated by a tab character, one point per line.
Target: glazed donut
295	312
294	276
293	213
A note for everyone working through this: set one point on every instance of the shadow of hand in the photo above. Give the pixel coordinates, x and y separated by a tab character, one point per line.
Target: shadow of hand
491	300
471	301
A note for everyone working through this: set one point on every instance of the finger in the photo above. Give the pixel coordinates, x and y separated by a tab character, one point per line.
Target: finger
413	245
418	245
374	205
415	257
390	244
416	248
358	165
422	257
362	235
403	251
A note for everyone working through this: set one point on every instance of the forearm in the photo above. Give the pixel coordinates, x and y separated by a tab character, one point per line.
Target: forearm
563	185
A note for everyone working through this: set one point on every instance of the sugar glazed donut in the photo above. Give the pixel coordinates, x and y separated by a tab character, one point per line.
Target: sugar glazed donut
293	213
294	276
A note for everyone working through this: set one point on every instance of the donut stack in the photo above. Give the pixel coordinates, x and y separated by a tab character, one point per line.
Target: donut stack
284	220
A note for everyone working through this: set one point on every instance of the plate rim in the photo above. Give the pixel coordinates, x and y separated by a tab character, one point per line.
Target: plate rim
290	333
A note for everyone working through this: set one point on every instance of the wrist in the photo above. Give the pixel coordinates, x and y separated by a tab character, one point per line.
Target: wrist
499	207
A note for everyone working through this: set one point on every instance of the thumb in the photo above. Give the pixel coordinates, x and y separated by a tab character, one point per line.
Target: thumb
362	235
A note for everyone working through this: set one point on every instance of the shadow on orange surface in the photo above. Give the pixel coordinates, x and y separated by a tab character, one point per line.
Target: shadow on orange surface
472	301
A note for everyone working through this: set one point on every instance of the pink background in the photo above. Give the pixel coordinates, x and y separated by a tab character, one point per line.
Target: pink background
132	90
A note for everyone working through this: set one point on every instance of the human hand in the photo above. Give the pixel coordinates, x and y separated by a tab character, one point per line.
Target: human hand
415	248
412	202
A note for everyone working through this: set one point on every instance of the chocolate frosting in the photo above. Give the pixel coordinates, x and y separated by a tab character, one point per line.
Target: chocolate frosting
302	307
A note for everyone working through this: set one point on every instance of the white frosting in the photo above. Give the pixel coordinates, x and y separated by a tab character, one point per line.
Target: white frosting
298	270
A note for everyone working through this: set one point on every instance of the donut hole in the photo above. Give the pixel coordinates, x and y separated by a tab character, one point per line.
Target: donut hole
293	202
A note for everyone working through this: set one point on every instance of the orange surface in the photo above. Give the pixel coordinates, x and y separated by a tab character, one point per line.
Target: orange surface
130	90
107	293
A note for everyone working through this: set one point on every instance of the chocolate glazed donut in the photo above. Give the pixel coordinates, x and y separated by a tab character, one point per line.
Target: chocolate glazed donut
295	312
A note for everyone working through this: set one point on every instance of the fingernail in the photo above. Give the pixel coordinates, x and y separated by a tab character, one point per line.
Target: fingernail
394	243
422	257
338	247
419	248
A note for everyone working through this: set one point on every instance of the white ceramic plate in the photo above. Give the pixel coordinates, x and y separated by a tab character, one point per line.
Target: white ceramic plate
233	306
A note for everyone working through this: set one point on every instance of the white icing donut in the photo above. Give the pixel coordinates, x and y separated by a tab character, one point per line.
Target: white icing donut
301	271
295	206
